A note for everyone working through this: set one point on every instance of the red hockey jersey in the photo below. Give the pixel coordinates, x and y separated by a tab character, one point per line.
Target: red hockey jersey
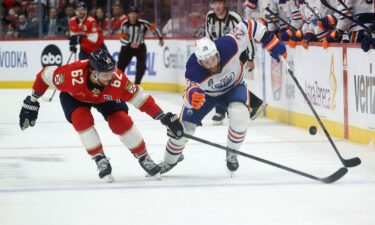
92	35
73	78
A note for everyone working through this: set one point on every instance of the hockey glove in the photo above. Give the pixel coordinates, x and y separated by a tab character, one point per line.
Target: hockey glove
297	36
174	127
276	47
73	41
367	42
310	36
327	22
73	48
334	36
29	113
286	34
195	97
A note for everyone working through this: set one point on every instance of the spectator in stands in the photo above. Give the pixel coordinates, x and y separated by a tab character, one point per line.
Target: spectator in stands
6	19
118	17
50	25
31	11
16	9
8	3
101	20
25	29
24	5
64	21
197	23
12	14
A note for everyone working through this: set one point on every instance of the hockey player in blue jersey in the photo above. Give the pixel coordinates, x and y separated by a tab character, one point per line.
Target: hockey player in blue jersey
214	75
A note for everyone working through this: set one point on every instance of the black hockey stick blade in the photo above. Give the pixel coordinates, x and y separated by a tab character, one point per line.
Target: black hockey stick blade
330	179
336	176
346	162
352	162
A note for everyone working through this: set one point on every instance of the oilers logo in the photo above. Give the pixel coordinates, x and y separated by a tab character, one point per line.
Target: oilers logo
223	82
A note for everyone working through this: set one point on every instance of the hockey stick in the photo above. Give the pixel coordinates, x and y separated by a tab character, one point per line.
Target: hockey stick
312	11
54	91
344	5
330	179
346	162
326	4
284	21
347	8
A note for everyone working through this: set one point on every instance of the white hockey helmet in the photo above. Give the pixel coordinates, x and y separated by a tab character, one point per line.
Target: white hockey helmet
205	49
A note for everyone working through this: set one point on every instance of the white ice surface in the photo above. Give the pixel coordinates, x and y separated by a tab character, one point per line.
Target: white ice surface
47	178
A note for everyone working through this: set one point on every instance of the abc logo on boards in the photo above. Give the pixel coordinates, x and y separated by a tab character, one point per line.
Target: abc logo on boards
51	56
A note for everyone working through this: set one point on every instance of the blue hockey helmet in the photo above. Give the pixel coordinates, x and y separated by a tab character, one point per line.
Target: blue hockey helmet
101	60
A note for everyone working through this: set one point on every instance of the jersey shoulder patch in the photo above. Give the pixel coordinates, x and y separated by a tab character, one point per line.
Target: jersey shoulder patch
90	19
227	48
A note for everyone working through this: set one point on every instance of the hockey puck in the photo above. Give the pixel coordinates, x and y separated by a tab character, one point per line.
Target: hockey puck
312	130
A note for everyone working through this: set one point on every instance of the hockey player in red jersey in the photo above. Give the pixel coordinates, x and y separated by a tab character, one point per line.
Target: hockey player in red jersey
84	31
98	83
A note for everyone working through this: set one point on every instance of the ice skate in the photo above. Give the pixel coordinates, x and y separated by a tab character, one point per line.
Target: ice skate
149	165
218	119
165	167
232	162
104	168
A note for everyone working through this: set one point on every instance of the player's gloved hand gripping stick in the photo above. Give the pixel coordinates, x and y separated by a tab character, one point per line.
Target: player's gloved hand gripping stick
171	121
276	47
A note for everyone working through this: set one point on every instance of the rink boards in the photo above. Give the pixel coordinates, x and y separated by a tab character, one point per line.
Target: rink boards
338	81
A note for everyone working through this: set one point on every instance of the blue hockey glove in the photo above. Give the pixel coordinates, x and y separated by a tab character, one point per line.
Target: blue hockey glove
276	47
367	42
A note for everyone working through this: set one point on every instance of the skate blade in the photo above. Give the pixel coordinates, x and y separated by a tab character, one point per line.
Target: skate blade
217	123
231	173
109	178
155	177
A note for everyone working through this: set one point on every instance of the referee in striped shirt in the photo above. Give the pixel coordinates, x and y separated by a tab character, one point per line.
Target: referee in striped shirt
132	38
221	21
